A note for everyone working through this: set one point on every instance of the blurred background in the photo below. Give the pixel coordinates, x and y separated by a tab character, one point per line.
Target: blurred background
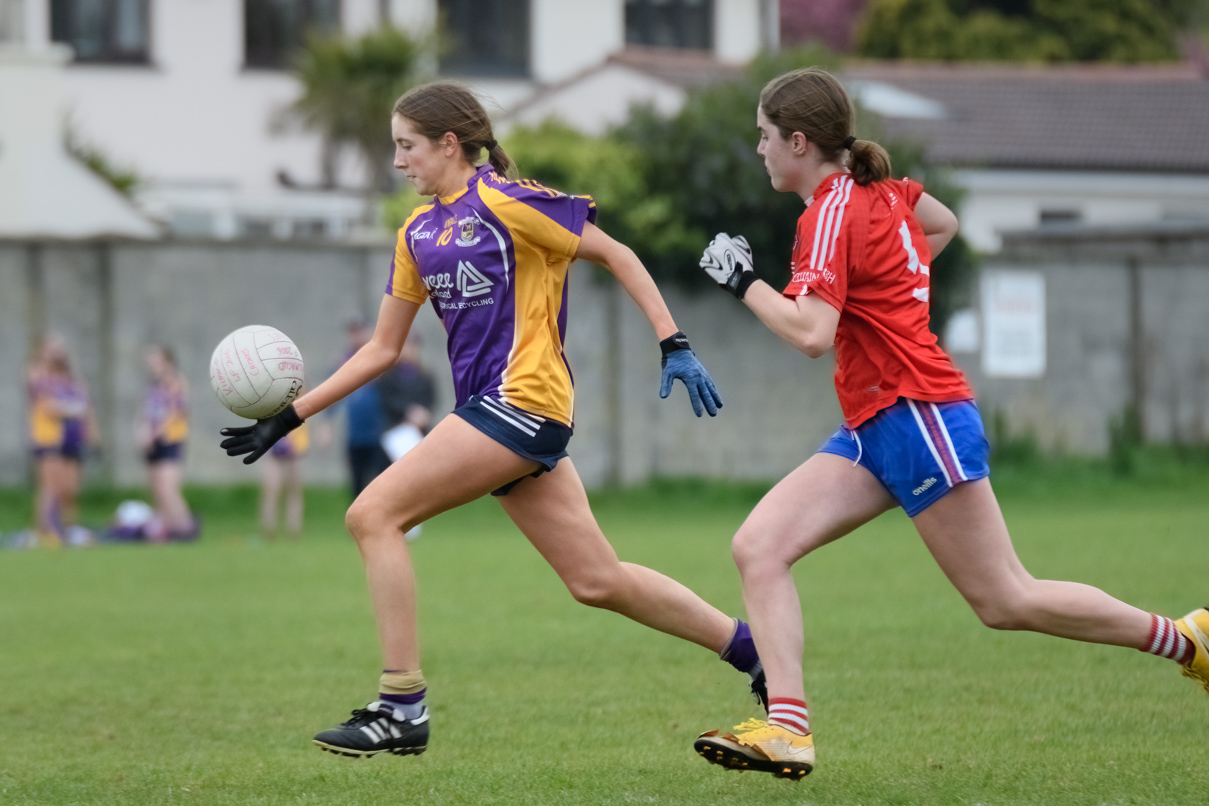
171	170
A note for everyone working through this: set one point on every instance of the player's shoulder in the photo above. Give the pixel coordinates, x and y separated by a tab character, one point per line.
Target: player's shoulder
414	217
894	192
529	191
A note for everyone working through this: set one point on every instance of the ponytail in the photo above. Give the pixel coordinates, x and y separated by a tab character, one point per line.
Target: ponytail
868	162
448	106
813	102
500	161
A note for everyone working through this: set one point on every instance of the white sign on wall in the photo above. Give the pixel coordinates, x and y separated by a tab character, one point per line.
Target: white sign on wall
1013	315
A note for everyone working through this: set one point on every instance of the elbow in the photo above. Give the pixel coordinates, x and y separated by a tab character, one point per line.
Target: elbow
814	345
950	226
816	350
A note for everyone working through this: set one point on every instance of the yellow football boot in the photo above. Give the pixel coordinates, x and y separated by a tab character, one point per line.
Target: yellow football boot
762	746
1195	627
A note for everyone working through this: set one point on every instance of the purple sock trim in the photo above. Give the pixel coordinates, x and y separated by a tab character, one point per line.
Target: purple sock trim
404	699
740	651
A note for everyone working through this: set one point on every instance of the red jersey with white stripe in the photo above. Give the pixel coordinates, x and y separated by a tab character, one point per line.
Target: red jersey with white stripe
861	249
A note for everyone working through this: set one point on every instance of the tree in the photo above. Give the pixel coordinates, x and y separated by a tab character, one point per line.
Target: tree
1024	30
349	89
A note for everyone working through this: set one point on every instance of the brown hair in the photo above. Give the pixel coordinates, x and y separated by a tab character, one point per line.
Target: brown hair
447	106
167	353
813	102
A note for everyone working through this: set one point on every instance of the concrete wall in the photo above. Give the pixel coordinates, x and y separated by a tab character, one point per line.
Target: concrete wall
112	299
1127	323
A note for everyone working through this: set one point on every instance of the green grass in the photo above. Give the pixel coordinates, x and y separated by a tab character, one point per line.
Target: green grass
198	673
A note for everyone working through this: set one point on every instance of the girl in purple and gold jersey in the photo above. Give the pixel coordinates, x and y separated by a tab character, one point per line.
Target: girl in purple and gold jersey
162	431
491	254
61	426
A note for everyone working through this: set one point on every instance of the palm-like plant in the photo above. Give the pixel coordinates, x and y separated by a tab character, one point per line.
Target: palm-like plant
349	88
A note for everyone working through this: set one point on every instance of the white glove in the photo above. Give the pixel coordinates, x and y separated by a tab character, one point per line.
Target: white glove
728	262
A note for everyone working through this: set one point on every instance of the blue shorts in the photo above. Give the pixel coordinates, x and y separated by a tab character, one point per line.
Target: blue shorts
918	451
533	437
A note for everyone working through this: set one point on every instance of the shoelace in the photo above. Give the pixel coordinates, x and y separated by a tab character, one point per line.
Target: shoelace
366	715
358	714
752	725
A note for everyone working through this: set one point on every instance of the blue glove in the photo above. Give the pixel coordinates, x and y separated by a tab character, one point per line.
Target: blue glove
679	362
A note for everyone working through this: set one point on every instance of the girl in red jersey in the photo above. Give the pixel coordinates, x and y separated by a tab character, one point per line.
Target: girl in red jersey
911	436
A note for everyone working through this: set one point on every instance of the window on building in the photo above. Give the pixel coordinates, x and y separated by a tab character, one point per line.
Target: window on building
670	23
275	30
1059	218
485	37
102	30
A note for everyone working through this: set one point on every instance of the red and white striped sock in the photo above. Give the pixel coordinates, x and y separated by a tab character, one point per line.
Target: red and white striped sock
1168	642
789	713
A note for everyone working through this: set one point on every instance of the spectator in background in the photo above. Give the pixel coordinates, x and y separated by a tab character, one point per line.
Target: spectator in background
282	472
366	419
407	398
61	426
161	432
407	395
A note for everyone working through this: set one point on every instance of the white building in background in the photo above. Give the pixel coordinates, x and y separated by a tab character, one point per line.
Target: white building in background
189	94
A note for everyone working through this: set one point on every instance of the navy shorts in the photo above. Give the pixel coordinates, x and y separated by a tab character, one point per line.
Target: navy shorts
917	450
161	451
533	437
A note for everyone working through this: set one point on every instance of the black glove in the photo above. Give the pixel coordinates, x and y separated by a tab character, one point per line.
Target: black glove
255	440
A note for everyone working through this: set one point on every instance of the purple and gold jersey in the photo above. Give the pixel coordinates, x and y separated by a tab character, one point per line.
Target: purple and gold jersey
58	407
167	412
493	260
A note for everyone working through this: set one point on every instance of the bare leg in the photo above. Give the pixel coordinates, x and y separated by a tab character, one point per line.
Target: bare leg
270	491
69	490
293	497
552	510
966	534
454	464
47	496
166	484
821	501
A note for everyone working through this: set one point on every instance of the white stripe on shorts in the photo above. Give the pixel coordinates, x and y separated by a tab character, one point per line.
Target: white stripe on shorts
944	430
509	416
923	429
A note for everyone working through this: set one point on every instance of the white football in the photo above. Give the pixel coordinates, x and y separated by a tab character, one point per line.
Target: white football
256	371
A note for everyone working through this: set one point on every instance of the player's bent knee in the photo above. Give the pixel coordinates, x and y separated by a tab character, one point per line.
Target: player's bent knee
755	558
363	519
596	591
1003	614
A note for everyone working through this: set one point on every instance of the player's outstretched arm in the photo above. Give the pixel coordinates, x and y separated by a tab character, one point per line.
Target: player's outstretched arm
379	354
937	221
679	361
808	322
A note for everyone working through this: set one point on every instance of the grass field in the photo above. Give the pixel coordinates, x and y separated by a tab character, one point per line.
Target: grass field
197	674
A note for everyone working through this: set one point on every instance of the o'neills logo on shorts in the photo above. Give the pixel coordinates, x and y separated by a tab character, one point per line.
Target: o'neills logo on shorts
923	488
